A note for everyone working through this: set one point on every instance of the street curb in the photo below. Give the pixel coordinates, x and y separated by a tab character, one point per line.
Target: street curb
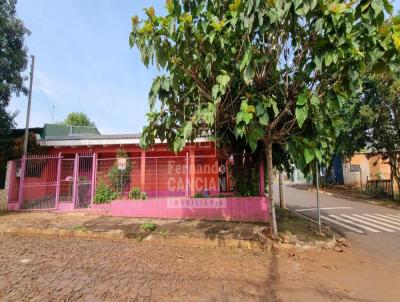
208	242
325	245
261	243
150	239
111	235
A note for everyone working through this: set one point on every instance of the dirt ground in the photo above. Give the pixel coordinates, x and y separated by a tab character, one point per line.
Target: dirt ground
72	269
3	200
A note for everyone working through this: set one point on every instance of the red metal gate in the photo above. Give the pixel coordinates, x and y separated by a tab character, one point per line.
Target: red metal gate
83	181
38	182
43	182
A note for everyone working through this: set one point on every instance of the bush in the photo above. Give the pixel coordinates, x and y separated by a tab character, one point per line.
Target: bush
120	178
135	193
104	194
199	195
148	226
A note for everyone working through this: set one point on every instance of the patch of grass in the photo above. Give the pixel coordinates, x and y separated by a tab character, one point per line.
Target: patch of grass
149	226
293	224
80	228
164	233
3	212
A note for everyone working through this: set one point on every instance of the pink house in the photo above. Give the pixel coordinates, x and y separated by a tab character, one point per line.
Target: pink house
195	183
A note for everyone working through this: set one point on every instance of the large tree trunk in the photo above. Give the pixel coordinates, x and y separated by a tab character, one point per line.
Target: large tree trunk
394	171
270	177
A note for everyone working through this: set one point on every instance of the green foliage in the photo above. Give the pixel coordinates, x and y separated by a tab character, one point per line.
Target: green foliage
381	101
104	194
78	119
262	71
120	178
80	228
6	142
148	226
135	193
164	233
13	53
199	195
13	62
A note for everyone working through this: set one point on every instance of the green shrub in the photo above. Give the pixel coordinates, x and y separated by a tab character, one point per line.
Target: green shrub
148	226
80	228
120	178
104	194
135	193
199	195
164	233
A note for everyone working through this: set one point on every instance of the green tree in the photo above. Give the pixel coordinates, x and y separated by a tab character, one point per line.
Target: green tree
78	119
6	142
13	53
261	72
358	113
13	61
381	109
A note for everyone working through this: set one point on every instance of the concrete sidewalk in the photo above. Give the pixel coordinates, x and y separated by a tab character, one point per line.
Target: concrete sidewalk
168	231
294	230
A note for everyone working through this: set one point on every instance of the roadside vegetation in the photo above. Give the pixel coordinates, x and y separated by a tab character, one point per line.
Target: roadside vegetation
273	80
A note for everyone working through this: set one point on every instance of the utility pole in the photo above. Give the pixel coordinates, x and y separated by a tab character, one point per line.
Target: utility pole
28	112
318	207
282	195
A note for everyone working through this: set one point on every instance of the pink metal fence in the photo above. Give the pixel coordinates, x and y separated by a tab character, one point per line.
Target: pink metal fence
57	182
160	176
43	182
38	182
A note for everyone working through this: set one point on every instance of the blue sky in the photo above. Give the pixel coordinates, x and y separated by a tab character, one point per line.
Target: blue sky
84	62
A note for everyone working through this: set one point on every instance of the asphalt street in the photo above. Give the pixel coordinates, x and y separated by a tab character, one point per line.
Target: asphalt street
372	228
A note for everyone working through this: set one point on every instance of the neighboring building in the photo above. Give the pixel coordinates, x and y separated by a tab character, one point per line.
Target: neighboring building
363	167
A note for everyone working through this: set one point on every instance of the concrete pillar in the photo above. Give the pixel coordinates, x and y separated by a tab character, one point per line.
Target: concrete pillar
58	181
192	172
22	181
75	183
142	170
94	174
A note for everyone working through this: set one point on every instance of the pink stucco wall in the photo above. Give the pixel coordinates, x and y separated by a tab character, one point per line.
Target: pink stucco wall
13	206
236	209
65	206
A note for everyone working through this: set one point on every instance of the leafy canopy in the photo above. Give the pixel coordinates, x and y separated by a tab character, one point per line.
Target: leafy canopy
13	62
381	109
78	119
261	71
13	53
